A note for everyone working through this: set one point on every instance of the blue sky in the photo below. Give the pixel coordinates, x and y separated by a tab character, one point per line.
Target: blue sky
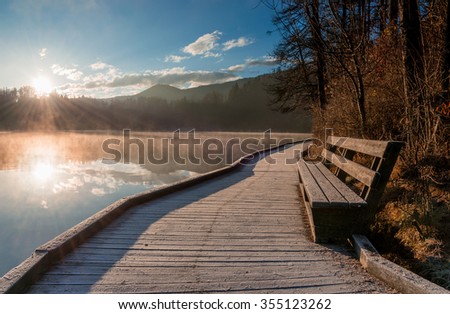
104	48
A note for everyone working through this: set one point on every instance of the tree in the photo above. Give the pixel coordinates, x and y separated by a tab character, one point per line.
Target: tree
318	47
349	39
446	54
27	92
414	51
301	54
322	39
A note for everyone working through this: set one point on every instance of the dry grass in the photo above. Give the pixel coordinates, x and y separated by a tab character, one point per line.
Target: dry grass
413	227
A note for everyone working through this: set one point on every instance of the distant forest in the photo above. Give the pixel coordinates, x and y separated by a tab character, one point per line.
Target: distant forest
245	106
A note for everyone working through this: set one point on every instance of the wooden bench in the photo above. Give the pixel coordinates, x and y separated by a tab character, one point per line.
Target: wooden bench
335	210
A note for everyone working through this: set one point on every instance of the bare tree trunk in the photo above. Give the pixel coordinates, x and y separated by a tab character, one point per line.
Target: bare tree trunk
446	65
382	16
414	80
316	32
414	65
361	98
393	11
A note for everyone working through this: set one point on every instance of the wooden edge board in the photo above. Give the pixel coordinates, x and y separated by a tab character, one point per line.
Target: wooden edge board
308	214
396	276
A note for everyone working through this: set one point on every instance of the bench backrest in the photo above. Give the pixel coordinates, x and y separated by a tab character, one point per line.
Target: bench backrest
340	152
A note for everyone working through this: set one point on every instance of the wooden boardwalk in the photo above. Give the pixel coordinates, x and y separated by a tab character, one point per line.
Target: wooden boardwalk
243	232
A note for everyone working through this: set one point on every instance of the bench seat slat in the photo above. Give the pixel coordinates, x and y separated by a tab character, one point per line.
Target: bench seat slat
354	200
357	171
335	198
311	188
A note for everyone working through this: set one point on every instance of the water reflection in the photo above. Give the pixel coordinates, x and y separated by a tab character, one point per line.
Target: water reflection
43	171
48	186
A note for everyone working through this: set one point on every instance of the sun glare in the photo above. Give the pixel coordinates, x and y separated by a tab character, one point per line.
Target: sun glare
42	85
43	171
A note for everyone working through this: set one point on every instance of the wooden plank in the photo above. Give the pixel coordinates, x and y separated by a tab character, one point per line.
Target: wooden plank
143	250
357	171
208	273
111	265
74	270
221	236
308	285
185	278
335	198
315	195
353	199
368	147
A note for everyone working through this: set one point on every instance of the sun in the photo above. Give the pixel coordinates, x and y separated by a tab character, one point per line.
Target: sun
42	86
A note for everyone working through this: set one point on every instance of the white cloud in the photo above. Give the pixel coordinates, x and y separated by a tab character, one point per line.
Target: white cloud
42	53
99	66
208	46
265	61
237	43
104	73
72	74
203	45
175	58
177	76
106	80
210	54
98	191
236	68
168	71
102	84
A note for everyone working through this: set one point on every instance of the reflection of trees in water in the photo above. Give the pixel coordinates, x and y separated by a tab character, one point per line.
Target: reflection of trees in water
20	149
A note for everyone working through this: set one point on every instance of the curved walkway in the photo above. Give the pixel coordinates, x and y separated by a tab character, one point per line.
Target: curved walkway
243	232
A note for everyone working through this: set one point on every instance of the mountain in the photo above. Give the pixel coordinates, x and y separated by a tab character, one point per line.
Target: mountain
243	104
167	92
171	93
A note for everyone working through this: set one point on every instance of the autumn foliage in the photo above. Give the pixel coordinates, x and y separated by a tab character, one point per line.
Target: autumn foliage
386	71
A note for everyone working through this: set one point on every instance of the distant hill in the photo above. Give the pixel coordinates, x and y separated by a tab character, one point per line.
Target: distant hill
243	104
171	93
166	92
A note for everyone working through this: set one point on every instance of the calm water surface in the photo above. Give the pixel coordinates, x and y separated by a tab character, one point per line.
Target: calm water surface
44	190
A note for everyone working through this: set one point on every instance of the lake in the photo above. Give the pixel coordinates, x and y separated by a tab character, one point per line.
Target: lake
49	182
